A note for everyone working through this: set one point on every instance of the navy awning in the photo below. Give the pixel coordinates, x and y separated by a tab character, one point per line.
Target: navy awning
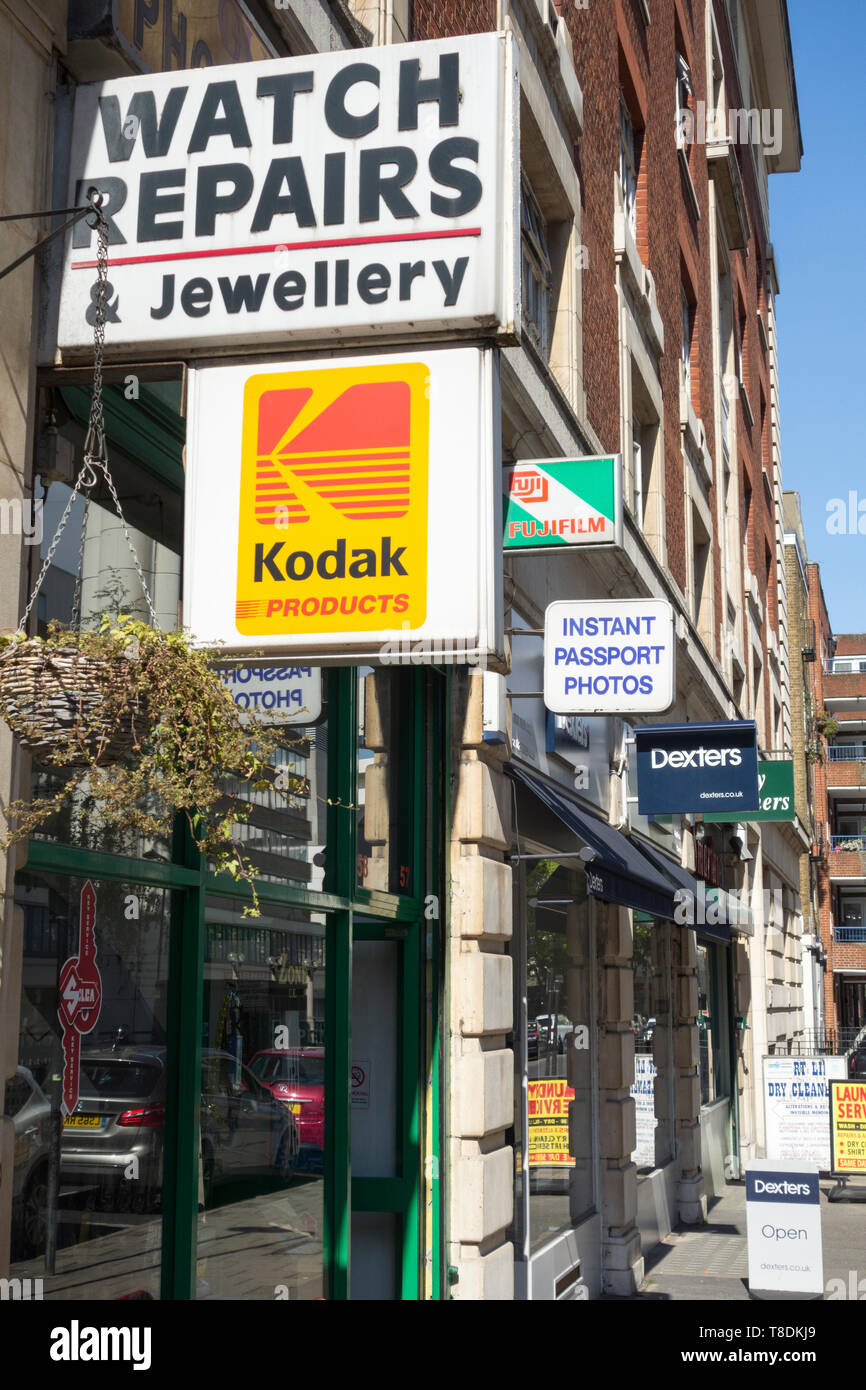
683	879
620	873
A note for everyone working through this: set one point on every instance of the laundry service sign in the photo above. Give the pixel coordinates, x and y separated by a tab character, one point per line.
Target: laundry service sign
352	192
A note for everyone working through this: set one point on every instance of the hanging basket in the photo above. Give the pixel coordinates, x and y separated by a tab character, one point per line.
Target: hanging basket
68	707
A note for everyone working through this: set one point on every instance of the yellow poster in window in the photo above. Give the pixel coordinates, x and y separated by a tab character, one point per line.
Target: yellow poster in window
548	1123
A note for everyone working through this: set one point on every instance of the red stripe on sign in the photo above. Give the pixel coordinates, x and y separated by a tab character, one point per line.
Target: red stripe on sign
212	252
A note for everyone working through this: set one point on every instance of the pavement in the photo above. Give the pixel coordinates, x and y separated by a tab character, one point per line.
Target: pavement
710	1262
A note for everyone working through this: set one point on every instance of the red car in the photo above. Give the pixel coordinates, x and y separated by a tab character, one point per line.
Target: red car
296	1076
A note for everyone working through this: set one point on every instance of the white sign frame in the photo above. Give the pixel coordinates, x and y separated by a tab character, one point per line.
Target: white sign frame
208	180
657	637
464	621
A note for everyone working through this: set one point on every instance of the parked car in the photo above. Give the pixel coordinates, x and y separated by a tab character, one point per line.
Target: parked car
856	1057
296	1076
29	1109
553	1029
121	1113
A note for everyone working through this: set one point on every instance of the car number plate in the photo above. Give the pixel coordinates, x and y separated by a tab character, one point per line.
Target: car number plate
84	1121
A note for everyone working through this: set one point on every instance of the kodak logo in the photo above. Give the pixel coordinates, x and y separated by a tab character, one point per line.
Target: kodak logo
328	564
336	459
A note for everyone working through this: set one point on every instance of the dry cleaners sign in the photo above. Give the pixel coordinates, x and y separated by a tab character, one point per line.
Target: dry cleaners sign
353	193
609	656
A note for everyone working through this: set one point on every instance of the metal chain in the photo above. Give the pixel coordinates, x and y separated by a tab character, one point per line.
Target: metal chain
79	570
95	452
86	478
94	443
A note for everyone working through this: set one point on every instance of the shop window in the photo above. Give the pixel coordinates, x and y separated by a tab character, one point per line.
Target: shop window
713	1023
386	807
88	1101
652	1026
93	571
262	1144
554	1140
285	833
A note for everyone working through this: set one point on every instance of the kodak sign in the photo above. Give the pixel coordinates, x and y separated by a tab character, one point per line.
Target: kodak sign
333	503
345	508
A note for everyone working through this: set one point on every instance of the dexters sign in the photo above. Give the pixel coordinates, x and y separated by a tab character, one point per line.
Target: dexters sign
706	768
609	656
350	192
783	1226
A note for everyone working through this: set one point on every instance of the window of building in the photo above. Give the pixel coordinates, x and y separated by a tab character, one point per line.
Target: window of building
687	326
684	93
638	484
628	165
741	342
702	576
536	274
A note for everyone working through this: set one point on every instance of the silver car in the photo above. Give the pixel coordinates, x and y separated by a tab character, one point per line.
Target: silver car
114	1136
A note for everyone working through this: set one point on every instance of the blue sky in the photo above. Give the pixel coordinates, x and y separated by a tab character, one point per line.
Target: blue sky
817	225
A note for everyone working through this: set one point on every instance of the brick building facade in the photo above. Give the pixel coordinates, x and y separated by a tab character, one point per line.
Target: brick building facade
493	979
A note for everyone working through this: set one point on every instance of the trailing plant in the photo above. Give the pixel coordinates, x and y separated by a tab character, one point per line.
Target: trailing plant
825	725
146	728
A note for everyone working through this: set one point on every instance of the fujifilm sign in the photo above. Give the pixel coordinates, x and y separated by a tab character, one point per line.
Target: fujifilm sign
357	193
691	768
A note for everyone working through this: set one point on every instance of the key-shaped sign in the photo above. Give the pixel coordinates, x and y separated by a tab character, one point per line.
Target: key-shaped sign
80	997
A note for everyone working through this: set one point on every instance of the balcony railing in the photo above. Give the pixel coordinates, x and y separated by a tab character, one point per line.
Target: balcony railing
846	666
854	843
847	753
855	935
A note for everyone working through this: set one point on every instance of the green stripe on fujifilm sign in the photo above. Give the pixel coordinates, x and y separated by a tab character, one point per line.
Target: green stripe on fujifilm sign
567	502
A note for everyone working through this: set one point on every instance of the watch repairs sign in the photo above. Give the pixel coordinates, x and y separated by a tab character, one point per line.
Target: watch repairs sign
563	502
683	768
783	1228
349	193
335	506
609	656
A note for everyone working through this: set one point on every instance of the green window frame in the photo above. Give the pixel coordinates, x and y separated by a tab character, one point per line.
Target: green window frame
422	761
